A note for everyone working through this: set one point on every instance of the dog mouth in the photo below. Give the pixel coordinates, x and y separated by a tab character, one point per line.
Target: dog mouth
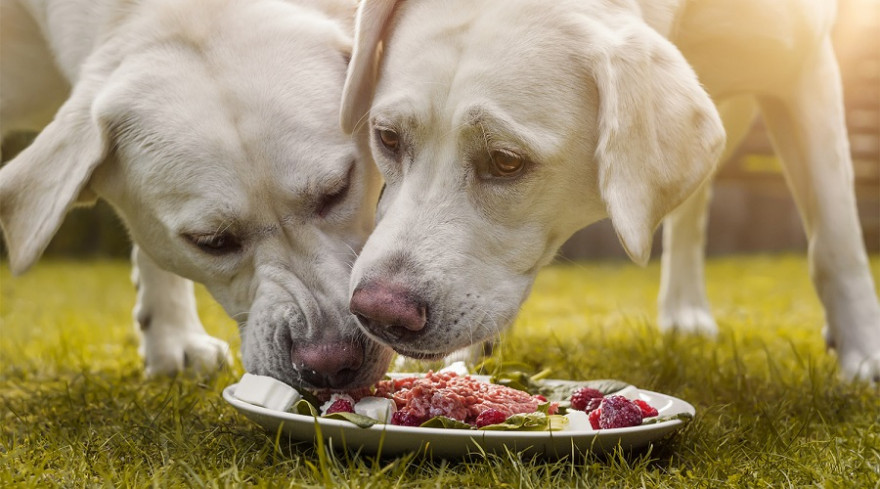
395	344
419	355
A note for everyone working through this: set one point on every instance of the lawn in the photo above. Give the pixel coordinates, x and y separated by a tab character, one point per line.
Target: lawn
771	411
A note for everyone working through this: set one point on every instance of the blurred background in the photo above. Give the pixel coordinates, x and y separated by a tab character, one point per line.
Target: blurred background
751	211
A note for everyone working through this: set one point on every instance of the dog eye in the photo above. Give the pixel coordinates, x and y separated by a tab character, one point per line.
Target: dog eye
389	139
505	164
331	199
215	244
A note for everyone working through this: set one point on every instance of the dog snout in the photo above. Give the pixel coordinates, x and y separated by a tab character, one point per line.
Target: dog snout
330	365
389	311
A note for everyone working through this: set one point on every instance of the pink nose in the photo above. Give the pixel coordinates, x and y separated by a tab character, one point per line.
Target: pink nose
388	310
328	364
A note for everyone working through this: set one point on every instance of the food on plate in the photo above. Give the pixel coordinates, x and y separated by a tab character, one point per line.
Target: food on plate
586	399
578	420
378	408
457	397
617	411
267	392
452	398
338	405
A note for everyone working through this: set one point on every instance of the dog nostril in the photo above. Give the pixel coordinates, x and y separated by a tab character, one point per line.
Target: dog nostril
383	306
313	378
419	324
333	364
343	377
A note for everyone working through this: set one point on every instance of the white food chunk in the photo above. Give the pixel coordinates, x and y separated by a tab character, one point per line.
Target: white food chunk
486	379
458	368
379	408
578	421
266	392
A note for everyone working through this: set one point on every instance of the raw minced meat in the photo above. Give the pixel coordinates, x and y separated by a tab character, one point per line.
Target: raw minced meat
462	398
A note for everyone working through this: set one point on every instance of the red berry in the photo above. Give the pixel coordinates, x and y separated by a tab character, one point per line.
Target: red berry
404	418
594	418
647	410
340	406
490	416
619	412
586	399
540	398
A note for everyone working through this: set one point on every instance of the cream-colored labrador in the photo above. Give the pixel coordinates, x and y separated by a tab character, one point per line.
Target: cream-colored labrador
212	128
502	127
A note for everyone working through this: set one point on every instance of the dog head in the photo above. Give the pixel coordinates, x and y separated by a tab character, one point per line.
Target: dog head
217	142
501	128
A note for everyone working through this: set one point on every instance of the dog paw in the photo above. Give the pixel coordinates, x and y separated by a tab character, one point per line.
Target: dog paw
860	367
858	360
194	352
856	342
691	320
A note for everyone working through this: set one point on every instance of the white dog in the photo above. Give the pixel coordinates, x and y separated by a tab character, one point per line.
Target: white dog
212	128
502	127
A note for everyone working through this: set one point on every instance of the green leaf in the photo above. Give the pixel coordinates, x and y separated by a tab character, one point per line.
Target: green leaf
447	423
358	419
305	408
309	396
557	422
561	392
521	422
607	386
659	419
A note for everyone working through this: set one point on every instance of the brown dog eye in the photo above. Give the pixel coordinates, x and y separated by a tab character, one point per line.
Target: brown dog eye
506	164
389	139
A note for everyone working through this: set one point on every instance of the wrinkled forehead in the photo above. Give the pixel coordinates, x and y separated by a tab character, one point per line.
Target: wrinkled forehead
249	117
455	61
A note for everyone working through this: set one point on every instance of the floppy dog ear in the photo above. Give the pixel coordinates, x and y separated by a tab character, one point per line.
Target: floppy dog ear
371	24
660	135
44	181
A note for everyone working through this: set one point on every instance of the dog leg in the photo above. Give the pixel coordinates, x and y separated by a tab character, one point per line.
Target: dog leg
172	336
682	302
807	125
33	88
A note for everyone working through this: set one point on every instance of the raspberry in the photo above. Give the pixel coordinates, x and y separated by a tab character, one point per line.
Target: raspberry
647	410
490	416
586	399
340	406
619	412
594	418
403	418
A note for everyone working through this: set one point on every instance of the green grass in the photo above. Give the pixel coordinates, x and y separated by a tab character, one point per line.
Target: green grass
771	411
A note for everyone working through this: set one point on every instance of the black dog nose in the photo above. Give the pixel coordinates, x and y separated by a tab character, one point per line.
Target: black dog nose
328	365
388	310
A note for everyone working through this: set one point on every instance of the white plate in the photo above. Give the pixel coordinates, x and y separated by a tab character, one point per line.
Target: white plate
392	440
